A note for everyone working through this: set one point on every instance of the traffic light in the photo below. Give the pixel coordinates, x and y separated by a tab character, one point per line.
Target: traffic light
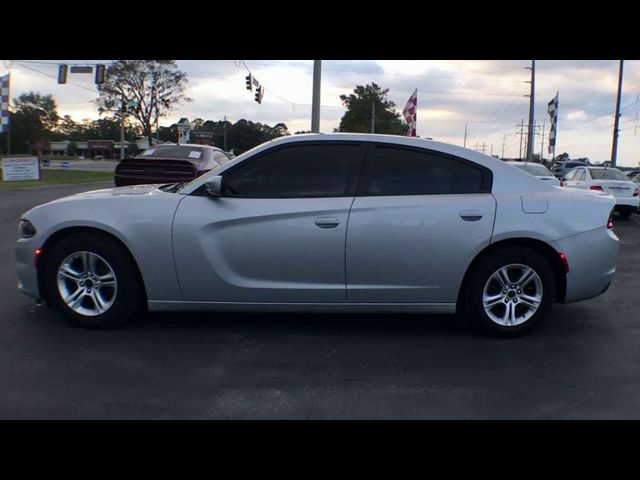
259	94
249	82
62	73
100	74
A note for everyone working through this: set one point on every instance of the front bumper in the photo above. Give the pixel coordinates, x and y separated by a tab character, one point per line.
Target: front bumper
591	257
27	271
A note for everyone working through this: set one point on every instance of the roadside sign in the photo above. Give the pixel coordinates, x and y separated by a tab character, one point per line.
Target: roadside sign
20	168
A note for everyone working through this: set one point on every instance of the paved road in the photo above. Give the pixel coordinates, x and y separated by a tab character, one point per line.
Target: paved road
583	362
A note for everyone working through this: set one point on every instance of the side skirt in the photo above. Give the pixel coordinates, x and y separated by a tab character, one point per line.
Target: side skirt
172	306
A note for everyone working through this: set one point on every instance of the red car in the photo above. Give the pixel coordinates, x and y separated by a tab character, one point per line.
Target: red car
168	163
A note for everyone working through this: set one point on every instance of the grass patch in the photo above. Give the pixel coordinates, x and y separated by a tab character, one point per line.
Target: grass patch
61	177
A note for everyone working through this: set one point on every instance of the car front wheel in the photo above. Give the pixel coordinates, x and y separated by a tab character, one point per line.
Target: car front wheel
90	279
509	291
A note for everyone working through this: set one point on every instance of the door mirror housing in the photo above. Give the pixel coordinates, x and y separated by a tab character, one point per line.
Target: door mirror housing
214	186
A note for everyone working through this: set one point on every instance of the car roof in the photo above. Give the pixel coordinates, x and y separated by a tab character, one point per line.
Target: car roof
510	179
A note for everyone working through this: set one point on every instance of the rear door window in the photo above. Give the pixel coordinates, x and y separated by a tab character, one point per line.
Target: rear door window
394	170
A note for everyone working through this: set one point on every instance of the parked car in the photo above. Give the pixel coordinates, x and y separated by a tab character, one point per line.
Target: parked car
537	170
606	180
632	173
168	163
326	223
560	169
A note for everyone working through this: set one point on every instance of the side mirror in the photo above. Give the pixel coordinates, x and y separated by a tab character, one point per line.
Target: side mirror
214	186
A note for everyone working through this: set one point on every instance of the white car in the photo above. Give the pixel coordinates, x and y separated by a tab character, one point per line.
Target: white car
537	170
606	180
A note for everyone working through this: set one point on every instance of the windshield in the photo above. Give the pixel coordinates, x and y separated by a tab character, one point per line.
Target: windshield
173	151
539	170
608	174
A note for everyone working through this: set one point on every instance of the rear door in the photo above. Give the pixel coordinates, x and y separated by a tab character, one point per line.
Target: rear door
418	220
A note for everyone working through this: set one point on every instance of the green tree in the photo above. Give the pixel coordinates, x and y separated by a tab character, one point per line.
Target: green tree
357	118
34	119
72	149
153	87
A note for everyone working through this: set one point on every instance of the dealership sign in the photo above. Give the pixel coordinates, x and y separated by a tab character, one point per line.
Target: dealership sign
21	168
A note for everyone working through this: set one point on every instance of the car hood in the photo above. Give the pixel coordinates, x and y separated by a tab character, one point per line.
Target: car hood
133	191
128	190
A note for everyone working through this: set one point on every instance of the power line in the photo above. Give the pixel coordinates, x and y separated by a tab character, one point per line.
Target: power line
52	76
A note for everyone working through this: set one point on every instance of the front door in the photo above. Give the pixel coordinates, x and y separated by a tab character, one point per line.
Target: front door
278	233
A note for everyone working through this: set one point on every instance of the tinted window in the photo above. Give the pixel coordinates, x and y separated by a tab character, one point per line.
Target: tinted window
539	170
219	157
173	151
608	174
397	171
298	171
580	176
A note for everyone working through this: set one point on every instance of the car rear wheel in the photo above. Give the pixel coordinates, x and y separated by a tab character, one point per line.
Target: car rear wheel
509	292
91	280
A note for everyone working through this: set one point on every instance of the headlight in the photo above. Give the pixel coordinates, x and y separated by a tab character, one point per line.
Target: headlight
26	229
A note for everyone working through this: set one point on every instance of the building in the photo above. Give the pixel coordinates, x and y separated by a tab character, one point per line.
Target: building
107	149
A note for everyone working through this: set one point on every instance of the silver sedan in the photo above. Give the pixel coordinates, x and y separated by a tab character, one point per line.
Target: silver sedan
326	223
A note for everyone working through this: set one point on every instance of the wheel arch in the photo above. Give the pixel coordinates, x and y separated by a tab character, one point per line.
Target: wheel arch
544	249
64	232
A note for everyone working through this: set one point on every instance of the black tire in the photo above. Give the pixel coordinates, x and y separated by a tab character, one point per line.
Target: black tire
625	214
472	299
128	296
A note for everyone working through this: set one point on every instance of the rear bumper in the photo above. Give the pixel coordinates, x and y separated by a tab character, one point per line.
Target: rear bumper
630	202
591	257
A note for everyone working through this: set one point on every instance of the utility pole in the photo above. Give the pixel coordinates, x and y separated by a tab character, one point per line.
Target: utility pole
616	123
521	125
465	136
504	139
531	112
483	149
9	130
224	132
373	116
122	111
542	143
491	150
315	105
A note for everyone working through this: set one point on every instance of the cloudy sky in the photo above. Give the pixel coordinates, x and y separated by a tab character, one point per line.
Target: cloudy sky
488	96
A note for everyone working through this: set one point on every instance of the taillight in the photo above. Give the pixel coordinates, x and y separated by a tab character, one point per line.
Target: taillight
610	222
596	187
561	183
635	194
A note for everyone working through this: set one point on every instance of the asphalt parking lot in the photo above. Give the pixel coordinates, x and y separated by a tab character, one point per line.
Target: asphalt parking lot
582	363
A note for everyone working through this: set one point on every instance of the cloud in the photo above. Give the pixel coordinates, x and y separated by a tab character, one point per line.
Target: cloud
486	95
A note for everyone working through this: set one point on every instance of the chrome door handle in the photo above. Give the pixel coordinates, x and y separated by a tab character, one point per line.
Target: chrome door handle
327	222
470	215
